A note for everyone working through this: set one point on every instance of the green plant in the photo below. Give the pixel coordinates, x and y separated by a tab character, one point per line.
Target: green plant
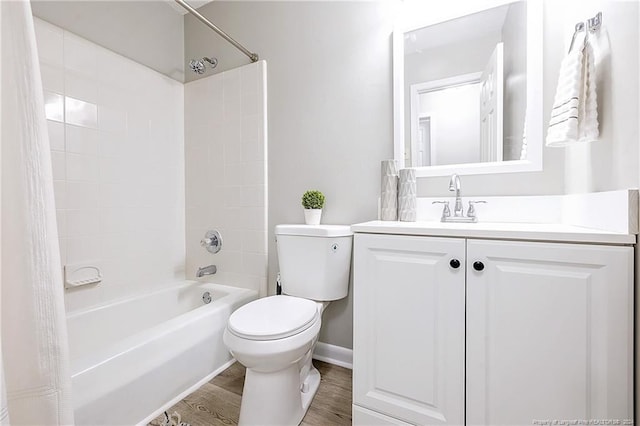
313	200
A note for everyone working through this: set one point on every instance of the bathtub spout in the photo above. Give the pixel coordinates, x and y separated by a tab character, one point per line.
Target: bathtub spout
207	270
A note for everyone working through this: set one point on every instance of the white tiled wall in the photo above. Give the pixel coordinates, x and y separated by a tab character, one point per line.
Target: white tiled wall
226	176
116	130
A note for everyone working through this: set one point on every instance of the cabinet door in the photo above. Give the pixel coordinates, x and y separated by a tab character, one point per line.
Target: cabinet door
549	333
408	358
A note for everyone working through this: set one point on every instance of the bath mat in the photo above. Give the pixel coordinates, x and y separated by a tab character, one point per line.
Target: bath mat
174	420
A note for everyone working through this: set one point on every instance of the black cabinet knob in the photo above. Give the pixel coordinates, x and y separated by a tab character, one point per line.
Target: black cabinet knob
454	263
478	266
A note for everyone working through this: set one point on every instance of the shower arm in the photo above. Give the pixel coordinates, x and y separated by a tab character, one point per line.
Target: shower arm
191	10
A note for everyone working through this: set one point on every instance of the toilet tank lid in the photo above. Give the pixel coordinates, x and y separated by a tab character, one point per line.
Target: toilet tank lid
315	230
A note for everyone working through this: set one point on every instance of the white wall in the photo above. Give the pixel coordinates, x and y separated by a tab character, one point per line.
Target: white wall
226	174
116	132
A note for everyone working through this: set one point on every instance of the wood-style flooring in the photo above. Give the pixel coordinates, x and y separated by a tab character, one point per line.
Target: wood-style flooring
218	401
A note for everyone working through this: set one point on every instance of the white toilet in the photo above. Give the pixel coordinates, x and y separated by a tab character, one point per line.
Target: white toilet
274	336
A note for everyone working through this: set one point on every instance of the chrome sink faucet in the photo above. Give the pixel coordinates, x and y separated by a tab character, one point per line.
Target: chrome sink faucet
454	185
458	209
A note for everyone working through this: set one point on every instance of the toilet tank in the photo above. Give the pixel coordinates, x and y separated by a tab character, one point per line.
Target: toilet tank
314	260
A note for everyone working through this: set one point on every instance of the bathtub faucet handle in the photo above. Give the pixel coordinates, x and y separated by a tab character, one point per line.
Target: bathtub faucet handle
206	270
212	241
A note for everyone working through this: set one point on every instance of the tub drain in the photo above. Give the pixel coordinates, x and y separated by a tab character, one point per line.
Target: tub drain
206	297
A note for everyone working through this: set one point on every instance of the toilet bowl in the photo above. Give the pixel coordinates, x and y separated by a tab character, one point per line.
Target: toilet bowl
274	336
270	337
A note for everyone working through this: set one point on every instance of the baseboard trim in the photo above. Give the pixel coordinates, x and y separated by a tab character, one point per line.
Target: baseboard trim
333	354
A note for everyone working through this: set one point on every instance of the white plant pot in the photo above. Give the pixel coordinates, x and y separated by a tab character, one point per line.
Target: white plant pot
312	216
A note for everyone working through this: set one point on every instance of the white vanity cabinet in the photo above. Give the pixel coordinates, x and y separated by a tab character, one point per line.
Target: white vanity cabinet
408	349
549	332
519	332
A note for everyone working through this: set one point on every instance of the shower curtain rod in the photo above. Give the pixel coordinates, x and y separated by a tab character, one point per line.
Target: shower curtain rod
191	10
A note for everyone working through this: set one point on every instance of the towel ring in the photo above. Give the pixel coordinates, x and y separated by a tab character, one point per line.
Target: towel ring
578	28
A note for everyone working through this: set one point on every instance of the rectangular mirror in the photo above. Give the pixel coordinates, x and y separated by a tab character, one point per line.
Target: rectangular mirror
468	88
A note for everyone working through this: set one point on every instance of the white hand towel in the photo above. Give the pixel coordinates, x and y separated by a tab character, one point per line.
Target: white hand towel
574	117
588	118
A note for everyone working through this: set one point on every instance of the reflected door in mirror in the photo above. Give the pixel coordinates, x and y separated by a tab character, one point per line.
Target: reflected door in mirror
445	121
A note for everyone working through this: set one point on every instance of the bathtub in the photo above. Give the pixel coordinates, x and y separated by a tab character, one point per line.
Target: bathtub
133	359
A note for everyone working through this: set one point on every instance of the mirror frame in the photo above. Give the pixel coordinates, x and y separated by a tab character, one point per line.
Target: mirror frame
533	118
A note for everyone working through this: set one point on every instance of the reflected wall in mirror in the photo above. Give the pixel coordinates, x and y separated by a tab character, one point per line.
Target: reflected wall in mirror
468	87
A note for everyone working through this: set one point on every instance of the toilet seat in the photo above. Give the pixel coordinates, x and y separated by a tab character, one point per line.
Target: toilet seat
273	318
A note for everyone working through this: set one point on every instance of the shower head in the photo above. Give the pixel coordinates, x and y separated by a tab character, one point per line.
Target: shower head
198	65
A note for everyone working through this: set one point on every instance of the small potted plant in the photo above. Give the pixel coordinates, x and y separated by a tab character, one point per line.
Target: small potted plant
313	202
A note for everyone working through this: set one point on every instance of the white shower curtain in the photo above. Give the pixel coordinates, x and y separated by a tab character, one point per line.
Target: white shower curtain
34	352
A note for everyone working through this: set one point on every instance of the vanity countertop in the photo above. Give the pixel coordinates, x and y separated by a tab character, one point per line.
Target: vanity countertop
503	231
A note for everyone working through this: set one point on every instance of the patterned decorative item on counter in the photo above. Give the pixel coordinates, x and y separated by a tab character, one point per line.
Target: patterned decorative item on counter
407	195
389	191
